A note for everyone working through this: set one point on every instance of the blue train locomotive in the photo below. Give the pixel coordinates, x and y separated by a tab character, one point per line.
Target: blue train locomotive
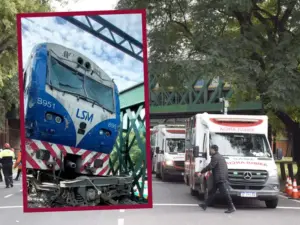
69	100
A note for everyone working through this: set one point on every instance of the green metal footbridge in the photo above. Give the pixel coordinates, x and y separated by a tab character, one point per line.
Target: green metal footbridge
169	106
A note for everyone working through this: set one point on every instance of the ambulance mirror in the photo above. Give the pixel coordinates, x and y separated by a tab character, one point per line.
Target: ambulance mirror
279	154
157	150
196	151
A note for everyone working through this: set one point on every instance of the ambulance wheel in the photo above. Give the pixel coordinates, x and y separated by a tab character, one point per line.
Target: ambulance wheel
157	175
164	177
272	204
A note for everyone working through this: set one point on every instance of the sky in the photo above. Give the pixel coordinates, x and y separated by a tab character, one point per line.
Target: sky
85	5
124	69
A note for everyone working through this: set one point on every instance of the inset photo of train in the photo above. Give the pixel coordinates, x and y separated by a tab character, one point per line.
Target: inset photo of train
84	111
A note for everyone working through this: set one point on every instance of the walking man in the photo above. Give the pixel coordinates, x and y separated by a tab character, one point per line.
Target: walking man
6	159
219	169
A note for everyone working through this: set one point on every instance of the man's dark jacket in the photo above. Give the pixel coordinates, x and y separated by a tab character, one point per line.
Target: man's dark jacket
218	166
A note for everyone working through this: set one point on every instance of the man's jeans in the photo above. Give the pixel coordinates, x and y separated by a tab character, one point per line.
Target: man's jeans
223	188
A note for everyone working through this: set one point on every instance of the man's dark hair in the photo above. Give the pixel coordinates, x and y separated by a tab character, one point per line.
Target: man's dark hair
215	147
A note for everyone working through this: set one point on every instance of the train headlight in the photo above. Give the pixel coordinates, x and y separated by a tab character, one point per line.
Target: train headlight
58	119
87	65
106	132
48	116
80	60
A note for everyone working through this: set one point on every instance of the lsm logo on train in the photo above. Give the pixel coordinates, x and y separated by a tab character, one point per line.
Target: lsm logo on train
84	115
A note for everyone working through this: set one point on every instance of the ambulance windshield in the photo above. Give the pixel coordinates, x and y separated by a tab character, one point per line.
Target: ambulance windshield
175	145
245	145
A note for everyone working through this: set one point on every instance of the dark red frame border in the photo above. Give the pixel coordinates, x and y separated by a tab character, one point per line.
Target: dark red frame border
147	115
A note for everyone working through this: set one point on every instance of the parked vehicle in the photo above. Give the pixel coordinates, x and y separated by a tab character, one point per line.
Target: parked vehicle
243	141
168	157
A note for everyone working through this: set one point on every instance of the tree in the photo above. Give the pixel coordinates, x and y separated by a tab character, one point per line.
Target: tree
9	88
253	44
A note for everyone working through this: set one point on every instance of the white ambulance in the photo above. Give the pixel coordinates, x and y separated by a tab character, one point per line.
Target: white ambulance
167	141
243	141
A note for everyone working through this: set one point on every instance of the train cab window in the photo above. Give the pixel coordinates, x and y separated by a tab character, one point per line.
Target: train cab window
104	95
65	78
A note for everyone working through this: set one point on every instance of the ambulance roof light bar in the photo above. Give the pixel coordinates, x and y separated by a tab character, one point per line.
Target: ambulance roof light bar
236	119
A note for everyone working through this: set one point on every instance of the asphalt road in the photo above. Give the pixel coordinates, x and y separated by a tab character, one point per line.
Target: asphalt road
172	205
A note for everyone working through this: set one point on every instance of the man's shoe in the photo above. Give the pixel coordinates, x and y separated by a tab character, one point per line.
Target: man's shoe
11	185
231	210
203	206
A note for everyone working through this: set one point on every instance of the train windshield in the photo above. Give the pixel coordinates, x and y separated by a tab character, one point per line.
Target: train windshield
66	79
100	93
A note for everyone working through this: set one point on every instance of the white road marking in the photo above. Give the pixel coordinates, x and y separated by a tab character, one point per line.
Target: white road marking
2	185
174	204
11	207
285	197
161	204
121	221
7	196
286	207
196	205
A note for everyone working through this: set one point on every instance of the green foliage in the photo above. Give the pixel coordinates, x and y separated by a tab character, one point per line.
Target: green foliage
278	126
253	44
135	152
